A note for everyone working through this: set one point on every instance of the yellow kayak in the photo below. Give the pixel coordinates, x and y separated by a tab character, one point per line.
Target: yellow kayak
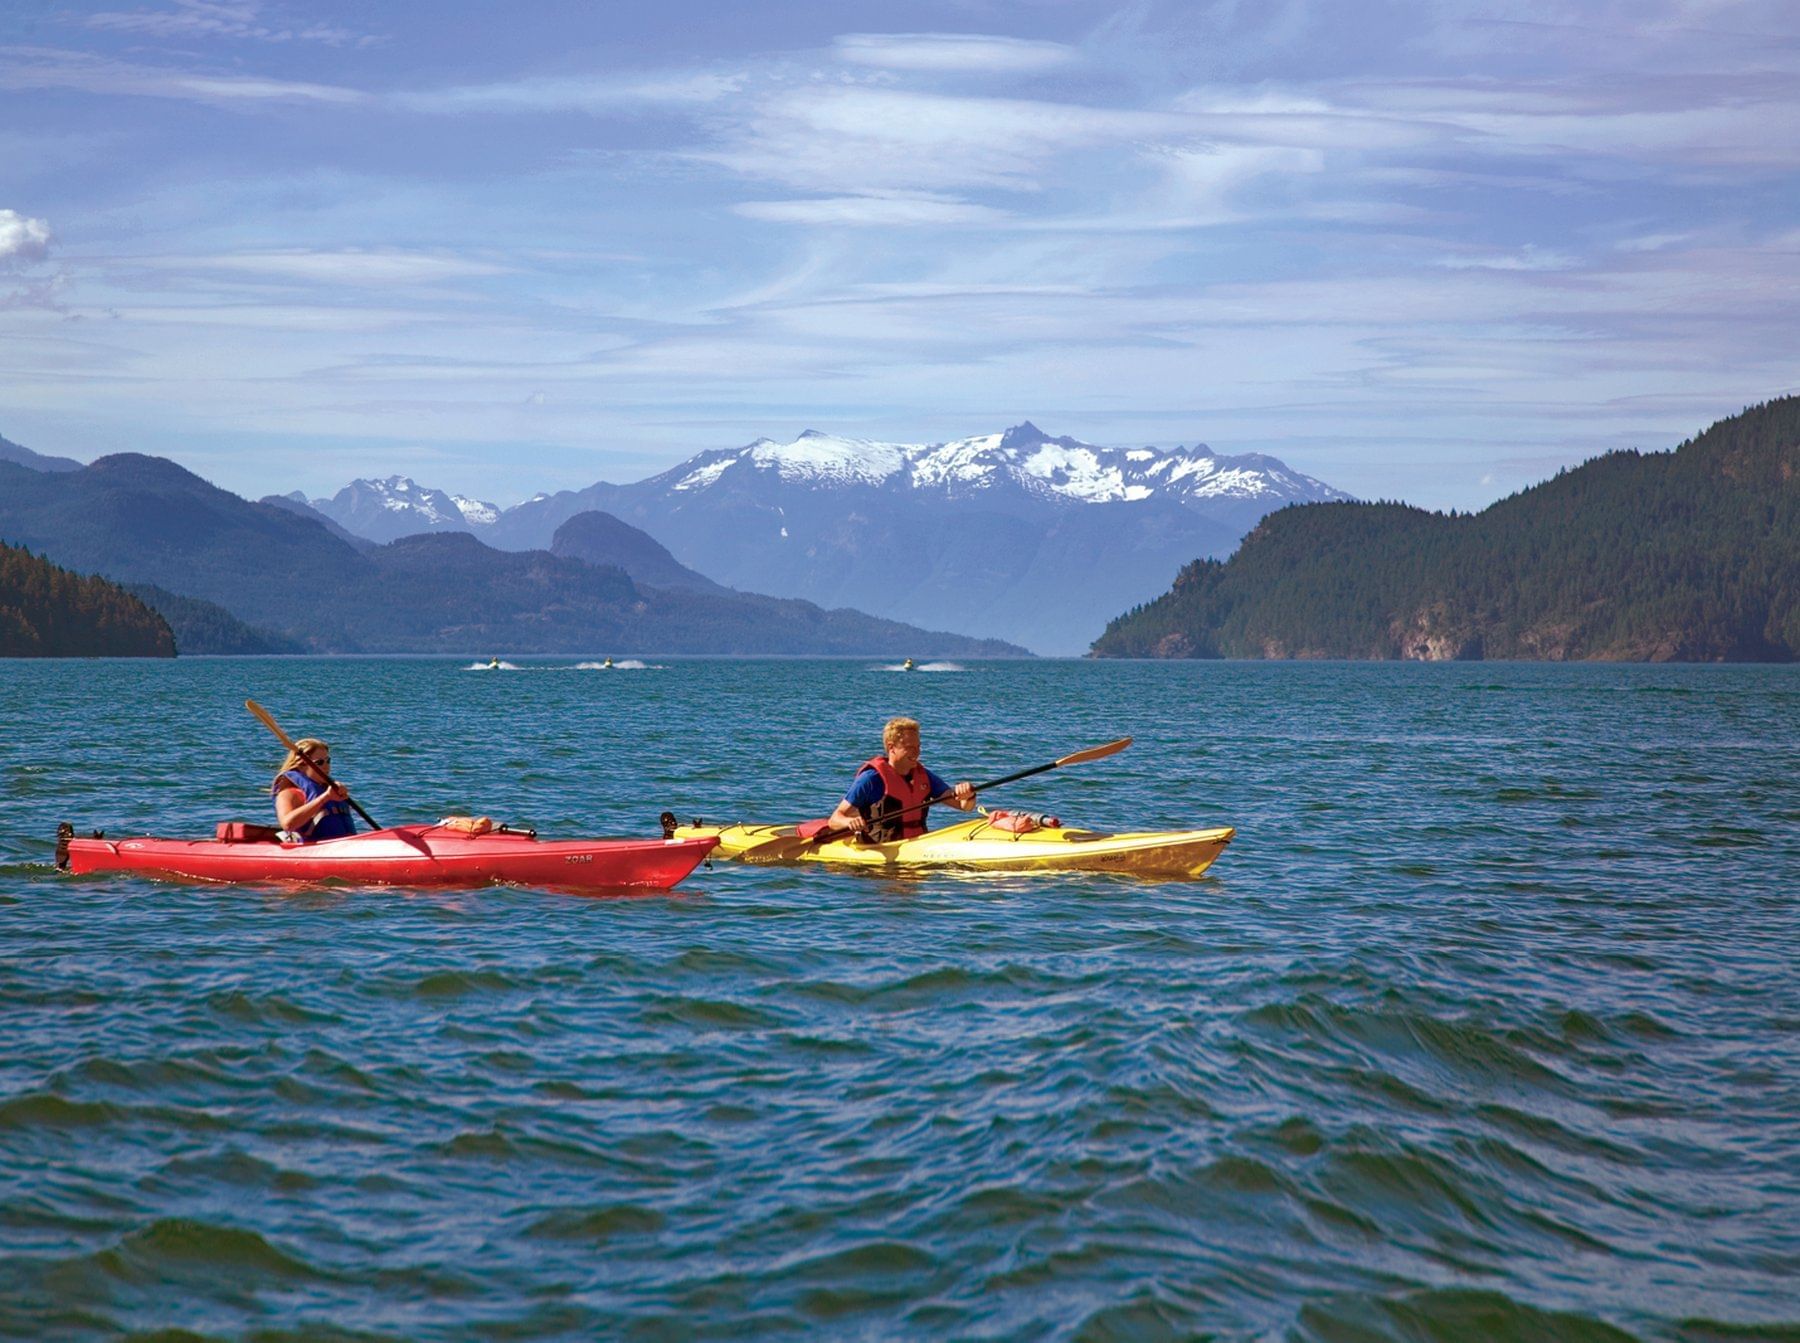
978	843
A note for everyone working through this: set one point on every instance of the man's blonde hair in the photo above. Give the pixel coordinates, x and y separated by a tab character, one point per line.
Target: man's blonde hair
895	728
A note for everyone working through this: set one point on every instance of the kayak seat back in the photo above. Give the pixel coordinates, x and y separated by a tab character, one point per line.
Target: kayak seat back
245	832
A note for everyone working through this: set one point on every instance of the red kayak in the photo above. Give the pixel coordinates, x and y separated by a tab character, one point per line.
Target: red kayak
405	855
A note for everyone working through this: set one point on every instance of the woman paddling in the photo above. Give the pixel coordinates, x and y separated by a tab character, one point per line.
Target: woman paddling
306	805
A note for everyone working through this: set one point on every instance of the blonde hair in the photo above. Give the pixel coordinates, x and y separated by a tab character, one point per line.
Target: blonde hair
895	727
302	749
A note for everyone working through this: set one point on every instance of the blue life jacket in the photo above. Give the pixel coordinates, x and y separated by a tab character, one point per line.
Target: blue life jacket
333	820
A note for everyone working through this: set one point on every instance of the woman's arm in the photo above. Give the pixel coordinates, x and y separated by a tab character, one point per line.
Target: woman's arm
294	812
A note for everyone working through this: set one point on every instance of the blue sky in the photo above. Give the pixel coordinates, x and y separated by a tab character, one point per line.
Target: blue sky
1422	251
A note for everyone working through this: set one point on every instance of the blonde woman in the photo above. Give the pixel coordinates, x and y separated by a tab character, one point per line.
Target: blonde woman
307	804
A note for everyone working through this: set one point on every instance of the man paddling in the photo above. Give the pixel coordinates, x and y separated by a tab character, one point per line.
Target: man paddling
888	798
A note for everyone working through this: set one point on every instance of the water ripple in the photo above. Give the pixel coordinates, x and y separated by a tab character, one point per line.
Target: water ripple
1485	1027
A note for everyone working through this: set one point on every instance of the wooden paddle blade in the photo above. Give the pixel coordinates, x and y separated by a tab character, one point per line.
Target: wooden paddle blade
1095	752
287	741
268	720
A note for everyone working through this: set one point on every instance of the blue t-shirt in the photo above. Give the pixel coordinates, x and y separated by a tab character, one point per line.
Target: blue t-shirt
869	789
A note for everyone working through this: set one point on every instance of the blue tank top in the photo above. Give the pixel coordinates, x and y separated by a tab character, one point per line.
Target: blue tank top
333	821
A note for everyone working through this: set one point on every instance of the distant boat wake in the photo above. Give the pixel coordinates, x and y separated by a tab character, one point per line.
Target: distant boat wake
624	664
920	667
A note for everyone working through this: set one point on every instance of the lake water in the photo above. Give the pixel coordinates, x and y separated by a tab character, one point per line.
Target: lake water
1486	1026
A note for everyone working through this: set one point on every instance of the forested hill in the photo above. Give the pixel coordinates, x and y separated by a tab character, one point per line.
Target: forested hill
49	612
1692	556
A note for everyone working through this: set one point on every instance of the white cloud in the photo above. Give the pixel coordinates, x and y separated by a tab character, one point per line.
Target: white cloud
1748	120
953	52
877	142
587	93
346	266
218	18
1204	182
1526	258
22	238
871	211
45	68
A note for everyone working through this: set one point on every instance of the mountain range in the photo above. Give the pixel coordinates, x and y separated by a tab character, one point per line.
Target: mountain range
1691	555
1032	538
149	522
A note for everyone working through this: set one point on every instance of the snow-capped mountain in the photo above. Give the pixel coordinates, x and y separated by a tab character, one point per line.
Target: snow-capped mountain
385	510
1036	539
1024	457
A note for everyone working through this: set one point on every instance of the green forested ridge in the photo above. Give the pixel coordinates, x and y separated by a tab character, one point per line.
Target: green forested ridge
206	627
49	612
1692	555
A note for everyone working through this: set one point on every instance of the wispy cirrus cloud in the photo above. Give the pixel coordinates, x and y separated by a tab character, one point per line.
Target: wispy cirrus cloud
350	266
599	92
240	19
894	211
1744	120
868	141
962	53
50	68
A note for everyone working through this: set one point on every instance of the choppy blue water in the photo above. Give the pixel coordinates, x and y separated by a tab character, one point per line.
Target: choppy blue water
1487	1026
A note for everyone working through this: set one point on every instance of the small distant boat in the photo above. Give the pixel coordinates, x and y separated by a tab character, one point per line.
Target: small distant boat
493	664
907	665
607	665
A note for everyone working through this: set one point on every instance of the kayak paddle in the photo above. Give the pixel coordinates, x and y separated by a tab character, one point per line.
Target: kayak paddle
287	741
1079	758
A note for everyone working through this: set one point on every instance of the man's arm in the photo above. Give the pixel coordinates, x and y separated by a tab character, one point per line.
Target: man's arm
962	795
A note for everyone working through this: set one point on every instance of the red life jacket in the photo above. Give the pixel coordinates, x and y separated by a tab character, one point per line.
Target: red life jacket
902	795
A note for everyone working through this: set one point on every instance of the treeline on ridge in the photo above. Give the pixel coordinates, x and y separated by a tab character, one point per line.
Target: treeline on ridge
46	611
1686	556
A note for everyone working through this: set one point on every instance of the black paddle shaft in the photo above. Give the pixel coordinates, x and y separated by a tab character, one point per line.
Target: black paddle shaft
979	788
1096	753
355	806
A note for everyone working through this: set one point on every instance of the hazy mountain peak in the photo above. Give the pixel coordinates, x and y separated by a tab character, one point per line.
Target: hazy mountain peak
397	505
1023	434
36	461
